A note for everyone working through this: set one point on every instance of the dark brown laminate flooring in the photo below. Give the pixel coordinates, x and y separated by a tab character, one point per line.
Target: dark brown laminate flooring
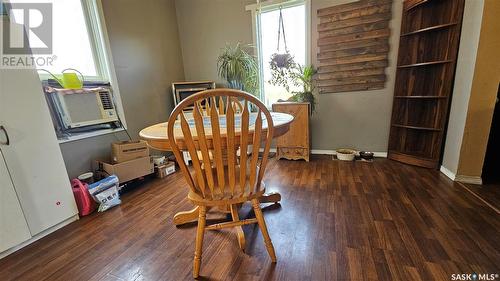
488	192
337	221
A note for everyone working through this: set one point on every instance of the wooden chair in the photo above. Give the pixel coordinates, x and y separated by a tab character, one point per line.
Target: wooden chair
206	104
221	106
212	183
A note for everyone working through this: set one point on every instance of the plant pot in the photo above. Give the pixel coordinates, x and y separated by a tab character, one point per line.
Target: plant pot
282	60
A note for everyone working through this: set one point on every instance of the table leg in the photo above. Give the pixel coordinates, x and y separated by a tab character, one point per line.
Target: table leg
186	216
271	197
192	215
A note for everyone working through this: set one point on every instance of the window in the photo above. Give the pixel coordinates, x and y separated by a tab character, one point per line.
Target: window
77	39
296	29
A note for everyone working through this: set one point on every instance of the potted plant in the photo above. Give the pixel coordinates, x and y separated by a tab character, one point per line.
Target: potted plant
298	76
239	69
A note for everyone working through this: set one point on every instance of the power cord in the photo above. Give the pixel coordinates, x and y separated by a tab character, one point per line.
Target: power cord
122	125
118	115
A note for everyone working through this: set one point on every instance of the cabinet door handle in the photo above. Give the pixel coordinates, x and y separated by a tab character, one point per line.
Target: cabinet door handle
7	140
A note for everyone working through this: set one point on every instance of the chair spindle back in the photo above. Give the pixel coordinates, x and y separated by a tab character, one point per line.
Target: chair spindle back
216	131
206	104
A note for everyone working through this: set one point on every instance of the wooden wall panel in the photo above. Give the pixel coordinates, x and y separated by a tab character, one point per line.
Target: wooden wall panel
353	43
353	22
332	69
375	49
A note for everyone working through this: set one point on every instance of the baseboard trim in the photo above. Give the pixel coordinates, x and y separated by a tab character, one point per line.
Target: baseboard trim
469	179
333	152
448	173
323	152
460	178
39	236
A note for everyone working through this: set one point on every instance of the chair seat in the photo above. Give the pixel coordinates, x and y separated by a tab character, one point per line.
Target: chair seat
227	197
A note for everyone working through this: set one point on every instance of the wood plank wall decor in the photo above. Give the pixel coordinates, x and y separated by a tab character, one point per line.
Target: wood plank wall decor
353	43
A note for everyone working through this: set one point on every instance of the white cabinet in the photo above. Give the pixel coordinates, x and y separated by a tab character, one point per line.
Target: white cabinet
33	156
13	226
38	182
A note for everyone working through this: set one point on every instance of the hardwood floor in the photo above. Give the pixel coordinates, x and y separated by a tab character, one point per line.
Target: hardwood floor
337	221
488	192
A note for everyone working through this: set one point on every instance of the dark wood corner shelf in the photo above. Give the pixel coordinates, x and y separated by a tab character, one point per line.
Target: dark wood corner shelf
425	63
424	80
431	28
417	128
420	97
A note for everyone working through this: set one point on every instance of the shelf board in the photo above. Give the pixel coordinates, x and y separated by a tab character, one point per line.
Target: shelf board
413	5
420	97
417	128
425	63
431	28
413	159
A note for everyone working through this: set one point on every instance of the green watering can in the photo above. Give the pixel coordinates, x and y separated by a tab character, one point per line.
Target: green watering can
69	80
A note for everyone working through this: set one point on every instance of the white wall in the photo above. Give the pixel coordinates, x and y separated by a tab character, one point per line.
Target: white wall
359	119
205	27
469	40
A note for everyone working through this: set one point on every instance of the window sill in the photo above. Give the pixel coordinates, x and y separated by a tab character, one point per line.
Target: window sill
86	135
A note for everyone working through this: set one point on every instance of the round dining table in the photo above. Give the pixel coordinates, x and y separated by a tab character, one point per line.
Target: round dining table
156	137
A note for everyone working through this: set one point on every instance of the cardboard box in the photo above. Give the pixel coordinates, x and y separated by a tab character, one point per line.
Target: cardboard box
128	150
165	170
126	171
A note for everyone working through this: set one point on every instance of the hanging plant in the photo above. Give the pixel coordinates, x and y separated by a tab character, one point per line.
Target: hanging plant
282	63
286	73
281	60
280	76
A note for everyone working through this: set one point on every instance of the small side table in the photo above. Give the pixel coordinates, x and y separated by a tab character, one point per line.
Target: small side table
295	143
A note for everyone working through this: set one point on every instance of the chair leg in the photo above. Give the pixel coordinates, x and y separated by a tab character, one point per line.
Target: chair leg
263	228
239	230
199	240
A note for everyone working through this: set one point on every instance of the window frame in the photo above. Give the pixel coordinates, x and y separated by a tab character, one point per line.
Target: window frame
269	6
101	51
93	20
